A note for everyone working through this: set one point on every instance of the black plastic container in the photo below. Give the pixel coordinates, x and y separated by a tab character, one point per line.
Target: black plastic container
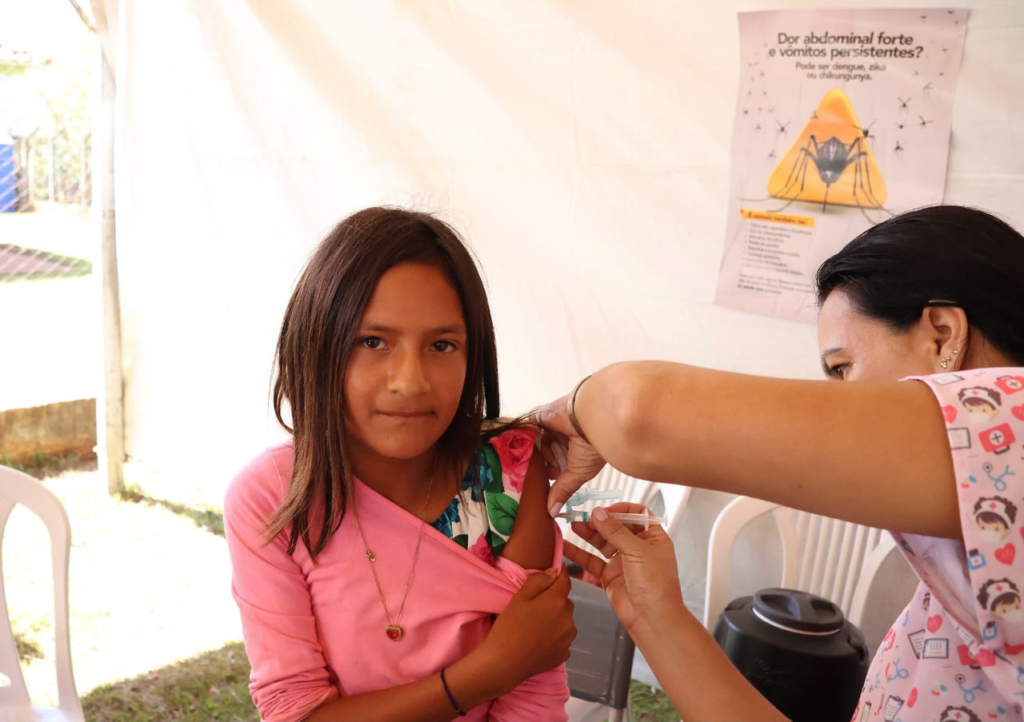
798	650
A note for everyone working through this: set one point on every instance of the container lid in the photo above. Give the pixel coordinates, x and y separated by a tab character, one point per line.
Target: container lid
798	612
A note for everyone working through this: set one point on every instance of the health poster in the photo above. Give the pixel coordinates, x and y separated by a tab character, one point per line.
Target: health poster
842	120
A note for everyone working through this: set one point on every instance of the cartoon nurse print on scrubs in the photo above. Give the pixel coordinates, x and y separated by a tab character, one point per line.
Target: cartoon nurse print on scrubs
981	404
994	516
1002	598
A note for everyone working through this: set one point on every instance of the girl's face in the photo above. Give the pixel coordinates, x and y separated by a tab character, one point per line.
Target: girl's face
405	376
854	347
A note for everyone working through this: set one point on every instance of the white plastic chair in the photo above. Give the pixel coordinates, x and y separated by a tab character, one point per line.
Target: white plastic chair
15	704
834	559
662	499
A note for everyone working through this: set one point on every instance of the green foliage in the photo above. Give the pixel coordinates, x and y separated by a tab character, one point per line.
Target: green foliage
12	69
57	156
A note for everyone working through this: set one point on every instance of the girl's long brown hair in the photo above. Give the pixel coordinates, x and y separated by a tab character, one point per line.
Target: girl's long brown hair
316	340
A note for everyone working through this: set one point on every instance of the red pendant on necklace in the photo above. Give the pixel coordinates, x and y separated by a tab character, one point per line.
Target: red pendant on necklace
393	631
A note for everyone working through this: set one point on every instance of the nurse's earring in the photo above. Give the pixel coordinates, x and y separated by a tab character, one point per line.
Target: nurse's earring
944	363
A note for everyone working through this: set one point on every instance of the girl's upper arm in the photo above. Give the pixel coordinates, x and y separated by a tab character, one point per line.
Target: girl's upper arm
532	542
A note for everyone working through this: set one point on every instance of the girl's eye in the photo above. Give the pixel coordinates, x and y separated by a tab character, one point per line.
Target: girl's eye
372	342
444	346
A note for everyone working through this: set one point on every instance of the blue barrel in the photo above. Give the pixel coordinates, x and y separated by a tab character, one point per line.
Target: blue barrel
8	177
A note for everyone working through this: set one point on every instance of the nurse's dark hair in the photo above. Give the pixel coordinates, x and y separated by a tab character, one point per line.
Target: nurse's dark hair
317	336
938	255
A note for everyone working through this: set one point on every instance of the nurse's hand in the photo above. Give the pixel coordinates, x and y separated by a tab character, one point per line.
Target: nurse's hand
569	460
640	577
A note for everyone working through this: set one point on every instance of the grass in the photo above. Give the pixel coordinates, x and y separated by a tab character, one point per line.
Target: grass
210	686
154	631
214	686
45	466
28	648
205	517
648	704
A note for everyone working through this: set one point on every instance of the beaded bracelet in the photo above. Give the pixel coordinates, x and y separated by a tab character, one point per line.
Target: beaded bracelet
451	699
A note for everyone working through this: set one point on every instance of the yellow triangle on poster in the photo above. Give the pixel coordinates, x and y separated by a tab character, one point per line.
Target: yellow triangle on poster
831	161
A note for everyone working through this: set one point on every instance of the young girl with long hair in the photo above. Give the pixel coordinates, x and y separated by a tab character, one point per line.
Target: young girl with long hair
372	551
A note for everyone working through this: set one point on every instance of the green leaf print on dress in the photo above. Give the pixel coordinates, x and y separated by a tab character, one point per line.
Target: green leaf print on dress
490	471
502	510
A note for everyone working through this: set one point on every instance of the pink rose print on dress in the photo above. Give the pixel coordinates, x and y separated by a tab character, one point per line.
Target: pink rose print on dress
514	450
483	550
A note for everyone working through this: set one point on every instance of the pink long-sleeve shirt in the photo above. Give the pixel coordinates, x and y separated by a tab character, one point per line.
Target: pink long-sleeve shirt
316	631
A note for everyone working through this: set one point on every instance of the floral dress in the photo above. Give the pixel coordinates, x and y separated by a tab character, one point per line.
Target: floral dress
480	518
956	653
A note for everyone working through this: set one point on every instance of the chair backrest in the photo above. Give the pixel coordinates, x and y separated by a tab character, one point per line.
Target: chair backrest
601	660
18	488
834	559
662	499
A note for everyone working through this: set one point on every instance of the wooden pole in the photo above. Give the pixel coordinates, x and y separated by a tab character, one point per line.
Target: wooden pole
112	452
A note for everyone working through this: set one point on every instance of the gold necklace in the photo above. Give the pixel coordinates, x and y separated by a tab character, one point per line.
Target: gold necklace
394	630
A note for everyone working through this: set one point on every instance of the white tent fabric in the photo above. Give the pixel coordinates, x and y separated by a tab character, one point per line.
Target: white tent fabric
105	19
581	147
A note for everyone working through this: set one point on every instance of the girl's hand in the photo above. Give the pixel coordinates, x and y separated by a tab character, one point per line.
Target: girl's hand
641	578
534	632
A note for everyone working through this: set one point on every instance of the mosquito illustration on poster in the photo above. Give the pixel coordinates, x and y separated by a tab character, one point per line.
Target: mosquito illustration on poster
831	162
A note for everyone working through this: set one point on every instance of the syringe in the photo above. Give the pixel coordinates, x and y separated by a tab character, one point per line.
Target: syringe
645	518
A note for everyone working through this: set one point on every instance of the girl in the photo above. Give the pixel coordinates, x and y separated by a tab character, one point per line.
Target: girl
371	552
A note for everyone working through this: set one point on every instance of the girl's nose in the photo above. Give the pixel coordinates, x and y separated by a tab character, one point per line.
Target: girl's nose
407	374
